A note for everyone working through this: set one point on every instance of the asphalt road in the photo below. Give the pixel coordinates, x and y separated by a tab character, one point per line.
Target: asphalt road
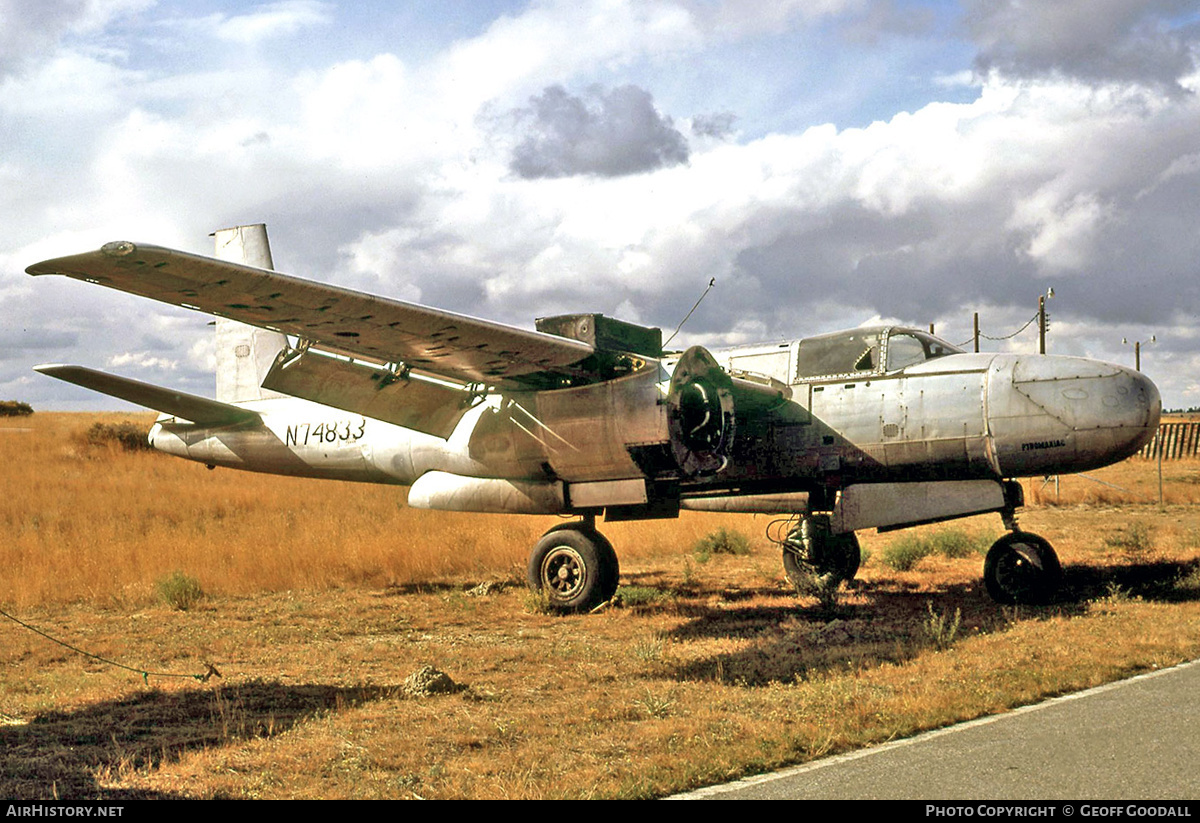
1137	739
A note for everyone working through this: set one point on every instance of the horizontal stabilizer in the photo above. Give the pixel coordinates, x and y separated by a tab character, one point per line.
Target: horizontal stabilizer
199	410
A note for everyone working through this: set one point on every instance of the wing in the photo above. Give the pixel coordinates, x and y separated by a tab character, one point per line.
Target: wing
442	343
200	410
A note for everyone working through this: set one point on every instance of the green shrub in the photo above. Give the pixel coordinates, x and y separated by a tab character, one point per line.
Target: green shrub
722	541
126	436
14	408
538	602
1189	582
179	591
1136	538
826	589
641	595
941	630
649	649
957	543
905	552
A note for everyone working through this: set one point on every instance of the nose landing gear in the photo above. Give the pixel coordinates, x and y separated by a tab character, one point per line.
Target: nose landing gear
1022	569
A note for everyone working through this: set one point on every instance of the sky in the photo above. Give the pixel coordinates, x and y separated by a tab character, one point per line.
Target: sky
829	163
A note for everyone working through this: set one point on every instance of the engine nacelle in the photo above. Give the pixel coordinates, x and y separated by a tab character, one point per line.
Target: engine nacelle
700	414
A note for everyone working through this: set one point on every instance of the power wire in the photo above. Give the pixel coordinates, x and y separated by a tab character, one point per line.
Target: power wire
1030	322
203	678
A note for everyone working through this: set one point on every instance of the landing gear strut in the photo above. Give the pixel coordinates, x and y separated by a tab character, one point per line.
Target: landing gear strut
575	566
1021	568
812	550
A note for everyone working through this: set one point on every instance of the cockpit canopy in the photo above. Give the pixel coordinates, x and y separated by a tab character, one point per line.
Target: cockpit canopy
867	351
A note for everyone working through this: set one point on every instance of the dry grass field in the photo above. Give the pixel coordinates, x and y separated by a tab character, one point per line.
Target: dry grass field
317	601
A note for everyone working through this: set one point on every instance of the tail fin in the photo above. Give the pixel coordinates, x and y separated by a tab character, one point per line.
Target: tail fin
245	353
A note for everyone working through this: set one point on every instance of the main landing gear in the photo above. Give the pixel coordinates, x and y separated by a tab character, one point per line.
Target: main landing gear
575	566
812	551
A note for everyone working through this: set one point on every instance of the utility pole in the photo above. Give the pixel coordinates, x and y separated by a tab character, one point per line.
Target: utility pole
976	332
1042	324
1042	320
1137	350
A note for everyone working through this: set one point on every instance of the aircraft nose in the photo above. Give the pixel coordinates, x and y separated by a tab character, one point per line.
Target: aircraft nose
1124	417
1076	415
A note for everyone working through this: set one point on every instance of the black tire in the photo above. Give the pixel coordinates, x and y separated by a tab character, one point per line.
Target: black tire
845	555
576	567
1022	569
842	558
797	573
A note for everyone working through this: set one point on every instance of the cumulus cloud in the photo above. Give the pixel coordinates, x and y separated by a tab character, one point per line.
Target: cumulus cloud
142	360
1152	42
395	176
742	18
31	30
35	339
605	133
717	124
273	20
28	28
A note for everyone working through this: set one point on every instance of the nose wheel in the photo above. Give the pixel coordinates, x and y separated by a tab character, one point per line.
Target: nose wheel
1022	569
575	567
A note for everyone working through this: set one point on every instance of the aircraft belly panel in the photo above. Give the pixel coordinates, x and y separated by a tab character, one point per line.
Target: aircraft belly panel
894	505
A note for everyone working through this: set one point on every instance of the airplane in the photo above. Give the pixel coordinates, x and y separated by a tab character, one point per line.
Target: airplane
875	427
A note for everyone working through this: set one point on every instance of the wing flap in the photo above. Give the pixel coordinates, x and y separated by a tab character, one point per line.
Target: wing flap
200	410
438	342
370	390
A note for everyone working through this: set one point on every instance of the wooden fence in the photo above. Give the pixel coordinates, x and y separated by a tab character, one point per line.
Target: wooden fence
1175	441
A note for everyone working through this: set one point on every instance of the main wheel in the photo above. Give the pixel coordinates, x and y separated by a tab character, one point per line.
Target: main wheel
843	555
575	566
1021	568
840	557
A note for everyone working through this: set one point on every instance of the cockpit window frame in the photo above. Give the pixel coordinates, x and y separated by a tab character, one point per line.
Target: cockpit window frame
933	347
861	343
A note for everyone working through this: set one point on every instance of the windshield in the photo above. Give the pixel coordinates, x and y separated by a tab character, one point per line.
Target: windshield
904	348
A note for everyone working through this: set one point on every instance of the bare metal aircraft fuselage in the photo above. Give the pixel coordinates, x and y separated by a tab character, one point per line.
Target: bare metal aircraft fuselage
879	427
959	417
